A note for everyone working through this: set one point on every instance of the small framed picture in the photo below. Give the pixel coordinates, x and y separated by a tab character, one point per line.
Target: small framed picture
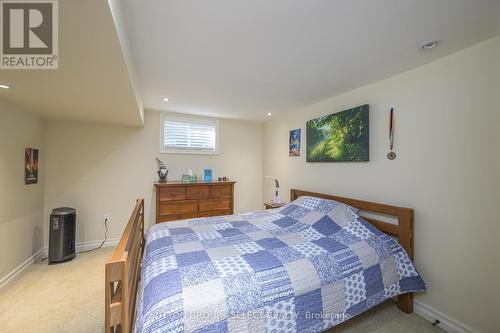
294	143
31	166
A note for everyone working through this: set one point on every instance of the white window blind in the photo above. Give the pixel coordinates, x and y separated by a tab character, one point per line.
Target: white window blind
185	135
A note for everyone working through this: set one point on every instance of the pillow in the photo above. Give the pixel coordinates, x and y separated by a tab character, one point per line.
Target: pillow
314	202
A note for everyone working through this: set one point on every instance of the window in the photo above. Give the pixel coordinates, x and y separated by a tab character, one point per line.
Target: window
188	135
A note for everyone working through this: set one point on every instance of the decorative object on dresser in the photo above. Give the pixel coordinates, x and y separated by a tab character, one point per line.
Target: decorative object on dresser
162	171
179	200
207	175
189	177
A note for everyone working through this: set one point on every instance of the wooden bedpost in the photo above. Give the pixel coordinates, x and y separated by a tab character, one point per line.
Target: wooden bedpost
405	220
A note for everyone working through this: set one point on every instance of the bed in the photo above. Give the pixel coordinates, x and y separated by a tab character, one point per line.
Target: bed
307	266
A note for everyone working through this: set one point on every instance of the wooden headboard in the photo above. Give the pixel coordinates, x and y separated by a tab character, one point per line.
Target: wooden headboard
403	230
122	274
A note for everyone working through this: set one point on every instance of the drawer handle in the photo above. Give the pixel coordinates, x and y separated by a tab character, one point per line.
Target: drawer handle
172	194
179	206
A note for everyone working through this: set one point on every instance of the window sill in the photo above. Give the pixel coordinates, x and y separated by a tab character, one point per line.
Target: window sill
187	152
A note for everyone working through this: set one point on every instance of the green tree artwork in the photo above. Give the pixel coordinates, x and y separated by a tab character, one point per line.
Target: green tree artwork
339	137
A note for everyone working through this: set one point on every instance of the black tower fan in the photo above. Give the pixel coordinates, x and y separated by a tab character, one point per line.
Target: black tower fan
62	235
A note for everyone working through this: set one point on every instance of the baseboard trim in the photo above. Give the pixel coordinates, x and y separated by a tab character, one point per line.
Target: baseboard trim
89	245
21	268
43	252
447	323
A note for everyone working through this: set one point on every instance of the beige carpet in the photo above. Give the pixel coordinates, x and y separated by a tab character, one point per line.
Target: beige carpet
70	298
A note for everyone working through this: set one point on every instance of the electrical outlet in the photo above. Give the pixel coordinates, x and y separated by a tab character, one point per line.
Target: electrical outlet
107	218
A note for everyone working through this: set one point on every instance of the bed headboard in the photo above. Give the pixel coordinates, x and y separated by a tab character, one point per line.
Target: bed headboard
403	230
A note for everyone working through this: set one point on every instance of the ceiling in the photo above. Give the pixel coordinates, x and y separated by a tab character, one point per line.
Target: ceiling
92	82
235	59
242	59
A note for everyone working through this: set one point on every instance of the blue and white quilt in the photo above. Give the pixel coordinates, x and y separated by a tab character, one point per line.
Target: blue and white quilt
306	267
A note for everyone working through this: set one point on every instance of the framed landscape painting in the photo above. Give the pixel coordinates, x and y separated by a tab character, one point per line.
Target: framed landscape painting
339	137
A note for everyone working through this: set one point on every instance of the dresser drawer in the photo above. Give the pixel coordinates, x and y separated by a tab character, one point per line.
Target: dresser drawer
214	213
178	207
220	191
197	192
175	217
215	204
172	193
180	201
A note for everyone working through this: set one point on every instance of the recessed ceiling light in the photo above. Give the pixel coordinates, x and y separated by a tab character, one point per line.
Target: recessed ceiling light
431	45
4	86
269	114
165	99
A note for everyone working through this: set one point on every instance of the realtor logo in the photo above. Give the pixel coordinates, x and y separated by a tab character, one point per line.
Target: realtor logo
29	34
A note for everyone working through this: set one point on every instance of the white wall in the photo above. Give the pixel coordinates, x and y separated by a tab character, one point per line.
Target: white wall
447	116
21	206
100	169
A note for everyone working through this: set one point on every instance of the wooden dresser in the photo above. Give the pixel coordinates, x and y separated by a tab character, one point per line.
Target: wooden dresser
177	200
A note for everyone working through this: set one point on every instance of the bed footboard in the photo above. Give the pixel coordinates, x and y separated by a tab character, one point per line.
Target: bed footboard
122	274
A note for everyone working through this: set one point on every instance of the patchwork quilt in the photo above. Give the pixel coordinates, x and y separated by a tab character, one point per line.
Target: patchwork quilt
305	267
